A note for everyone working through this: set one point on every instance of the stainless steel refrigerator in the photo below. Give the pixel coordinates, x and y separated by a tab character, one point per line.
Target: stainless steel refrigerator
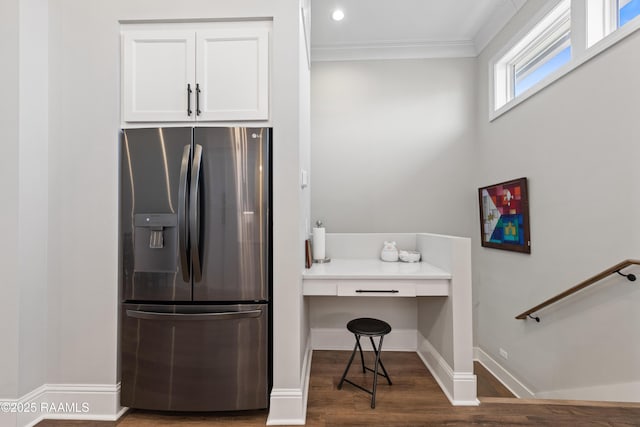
195	280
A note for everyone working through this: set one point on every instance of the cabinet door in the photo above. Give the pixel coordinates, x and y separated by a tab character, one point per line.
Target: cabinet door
158	68
232	72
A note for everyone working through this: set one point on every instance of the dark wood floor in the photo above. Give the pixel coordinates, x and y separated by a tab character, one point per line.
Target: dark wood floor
488	385
414	399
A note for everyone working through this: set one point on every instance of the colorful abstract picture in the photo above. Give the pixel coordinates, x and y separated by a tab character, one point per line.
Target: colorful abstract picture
504	216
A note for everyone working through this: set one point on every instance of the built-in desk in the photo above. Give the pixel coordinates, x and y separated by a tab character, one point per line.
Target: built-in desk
428	304
375	278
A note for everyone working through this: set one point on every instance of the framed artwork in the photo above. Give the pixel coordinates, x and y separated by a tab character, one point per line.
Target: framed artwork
504	216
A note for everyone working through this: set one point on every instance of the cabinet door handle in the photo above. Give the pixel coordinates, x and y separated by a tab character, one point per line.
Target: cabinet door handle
189	100
198	99
376	291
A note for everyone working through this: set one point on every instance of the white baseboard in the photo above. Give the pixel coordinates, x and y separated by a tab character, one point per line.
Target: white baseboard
621	392
459	387
342	339
288	406
95	402
306	372
512	383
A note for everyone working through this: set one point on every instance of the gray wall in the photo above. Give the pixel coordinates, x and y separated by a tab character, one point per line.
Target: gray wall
33	225
577	143
391	147
9	171
23	188
304	92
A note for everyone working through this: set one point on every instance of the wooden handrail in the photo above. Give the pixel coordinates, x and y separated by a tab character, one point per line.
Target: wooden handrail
615	269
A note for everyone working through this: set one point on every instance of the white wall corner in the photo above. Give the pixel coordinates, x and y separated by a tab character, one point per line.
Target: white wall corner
459	387
507	379
498	19
289	405
95	402
462	304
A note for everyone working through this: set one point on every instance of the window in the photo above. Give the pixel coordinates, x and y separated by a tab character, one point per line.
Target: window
549	51
606	16
539	53
627	10
561	37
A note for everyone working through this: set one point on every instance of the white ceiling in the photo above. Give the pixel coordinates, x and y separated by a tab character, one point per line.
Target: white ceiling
375	29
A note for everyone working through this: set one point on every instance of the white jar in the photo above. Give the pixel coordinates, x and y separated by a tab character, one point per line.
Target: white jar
389	252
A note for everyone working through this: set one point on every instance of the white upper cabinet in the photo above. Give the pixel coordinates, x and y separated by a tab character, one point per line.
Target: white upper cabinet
159	68
215	73
232	73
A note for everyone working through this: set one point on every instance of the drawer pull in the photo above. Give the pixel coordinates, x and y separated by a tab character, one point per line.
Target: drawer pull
390	291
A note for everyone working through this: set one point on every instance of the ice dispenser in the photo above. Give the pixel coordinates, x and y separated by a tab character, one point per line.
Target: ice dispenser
156	240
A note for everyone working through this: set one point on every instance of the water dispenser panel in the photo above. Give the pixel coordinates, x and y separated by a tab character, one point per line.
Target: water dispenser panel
156	242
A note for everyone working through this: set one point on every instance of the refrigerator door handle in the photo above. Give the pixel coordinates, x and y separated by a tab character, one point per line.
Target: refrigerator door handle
194	213
183	238
227	315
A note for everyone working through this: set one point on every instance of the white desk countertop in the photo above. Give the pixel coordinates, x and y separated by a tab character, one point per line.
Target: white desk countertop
355	269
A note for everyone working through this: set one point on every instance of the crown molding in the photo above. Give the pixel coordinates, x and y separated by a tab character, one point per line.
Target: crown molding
393	50
419	49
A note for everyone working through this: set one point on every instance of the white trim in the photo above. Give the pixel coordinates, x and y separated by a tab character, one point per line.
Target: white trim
95	402
620	392
459	387
306	377
289	405
306	28
285	407
342	339
414	49
575	62
513	384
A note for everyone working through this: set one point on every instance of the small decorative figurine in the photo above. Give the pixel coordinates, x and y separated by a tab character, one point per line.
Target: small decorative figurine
389	252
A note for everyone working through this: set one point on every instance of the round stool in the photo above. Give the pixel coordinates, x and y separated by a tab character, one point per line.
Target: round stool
366	326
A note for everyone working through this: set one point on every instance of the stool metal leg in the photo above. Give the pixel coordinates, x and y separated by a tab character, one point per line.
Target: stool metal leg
361	355
378	364
353	353
386	375
375	373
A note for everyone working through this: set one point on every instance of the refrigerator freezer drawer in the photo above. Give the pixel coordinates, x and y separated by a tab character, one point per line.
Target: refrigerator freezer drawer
194	357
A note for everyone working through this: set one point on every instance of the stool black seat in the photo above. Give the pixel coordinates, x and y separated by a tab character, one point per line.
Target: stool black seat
366	326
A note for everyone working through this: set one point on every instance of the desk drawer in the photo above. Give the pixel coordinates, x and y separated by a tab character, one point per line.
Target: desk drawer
377	288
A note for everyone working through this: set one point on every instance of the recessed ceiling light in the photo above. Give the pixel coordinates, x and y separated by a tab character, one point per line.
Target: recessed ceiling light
337	15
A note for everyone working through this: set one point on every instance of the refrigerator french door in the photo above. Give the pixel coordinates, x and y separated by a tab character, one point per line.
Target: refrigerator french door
195	238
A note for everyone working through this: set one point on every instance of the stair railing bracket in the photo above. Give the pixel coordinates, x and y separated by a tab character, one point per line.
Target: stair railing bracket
630	277
536	318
